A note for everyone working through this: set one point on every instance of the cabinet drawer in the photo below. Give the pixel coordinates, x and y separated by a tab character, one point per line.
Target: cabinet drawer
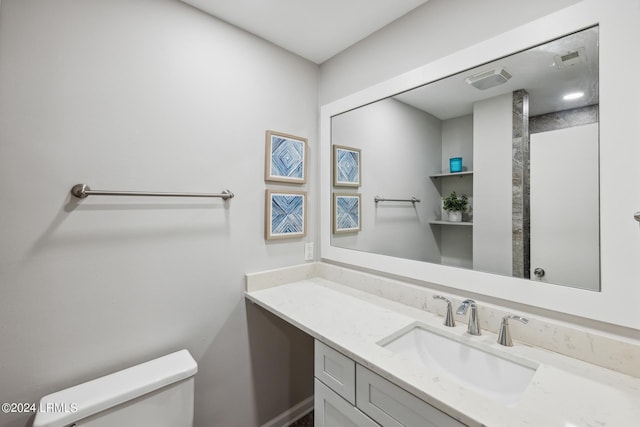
336	370
391	406
331	410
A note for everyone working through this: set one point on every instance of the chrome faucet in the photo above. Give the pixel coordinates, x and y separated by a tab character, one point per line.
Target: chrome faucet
504	338
448	318
473	327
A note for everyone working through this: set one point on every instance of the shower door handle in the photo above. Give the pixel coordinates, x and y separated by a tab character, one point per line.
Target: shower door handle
636	216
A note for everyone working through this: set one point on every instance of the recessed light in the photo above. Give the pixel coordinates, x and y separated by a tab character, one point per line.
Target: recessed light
573	95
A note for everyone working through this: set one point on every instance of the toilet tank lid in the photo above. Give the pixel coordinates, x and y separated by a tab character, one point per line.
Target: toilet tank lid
75	403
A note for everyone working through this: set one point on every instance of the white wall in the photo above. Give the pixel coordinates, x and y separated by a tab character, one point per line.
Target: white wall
431	31
149	95
401	147
492	159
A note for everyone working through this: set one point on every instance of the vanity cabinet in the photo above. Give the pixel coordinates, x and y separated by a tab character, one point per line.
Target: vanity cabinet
347	394
335	390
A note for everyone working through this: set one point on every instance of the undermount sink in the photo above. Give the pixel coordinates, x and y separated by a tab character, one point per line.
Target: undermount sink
491	375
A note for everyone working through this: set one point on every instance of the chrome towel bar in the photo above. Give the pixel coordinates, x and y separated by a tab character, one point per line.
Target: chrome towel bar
382	199
83	191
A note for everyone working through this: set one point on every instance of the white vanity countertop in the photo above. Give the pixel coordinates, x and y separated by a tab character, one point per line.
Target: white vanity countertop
564	392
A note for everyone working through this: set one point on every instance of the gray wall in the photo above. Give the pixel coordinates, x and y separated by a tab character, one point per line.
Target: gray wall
401	147
151	95
431	31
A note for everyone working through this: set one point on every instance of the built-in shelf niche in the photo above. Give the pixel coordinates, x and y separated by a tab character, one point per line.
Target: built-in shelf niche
455	238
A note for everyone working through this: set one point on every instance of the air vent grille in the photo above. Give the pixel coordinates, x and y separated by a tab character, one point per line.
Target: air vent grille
488	79
570	59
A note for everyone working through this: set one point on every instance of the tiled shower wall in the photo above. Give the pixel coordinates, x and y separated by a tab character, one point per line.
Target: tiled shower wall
520	185
564	119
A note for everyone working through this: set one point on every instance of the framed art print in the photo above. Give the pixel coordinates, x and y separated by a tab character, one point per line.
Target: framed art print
346	213
285	214
347	168
285	159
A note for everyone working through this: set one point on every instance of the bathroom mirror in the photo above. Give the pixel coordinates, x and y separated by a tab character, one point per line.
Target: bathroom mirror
612	307
526	127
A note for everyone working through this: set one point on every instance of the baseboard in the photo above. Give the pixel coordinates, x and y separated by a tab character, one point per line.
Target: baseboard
292	414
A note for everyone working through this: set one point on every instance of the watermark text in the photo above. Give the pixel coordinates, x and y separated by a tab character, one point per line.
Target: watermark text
27	407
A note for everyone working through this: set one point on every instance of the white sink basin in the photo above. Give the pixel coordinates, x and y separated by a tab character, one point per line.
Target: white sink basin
491	375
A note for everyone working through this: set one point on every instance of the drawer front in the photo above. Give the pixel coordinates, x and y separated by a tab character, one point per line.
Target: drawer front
336	370
331	410
391	406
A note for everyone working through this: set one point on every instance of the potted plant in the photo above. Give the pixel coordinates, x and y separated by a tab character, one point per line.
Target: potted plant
455	205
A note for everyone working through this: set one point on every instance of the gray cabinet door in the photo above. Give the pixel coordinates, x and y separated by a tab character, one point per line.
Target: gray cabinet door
331	410
391	406
335	370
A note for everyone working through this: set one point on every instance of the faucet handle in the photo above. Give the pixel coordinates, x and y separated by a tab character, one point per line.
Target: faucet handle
504	337
448	318
473	326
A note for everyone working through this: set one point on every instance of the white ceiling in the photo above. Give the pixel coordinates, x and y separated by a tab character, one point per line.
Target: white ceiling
534	70
313	29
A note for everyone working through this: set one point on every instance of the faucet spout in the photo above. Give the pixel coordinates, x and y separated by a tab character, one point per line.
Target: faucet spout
465	306
473	326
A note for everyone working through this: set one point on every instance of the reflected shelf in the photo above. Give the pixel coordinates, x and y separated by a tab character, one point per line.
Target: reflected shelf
442	175
441	222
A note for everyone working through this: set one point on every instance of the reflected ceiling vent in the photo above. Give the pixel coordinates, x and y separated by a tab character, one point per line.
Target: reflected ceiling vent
488	79
570	59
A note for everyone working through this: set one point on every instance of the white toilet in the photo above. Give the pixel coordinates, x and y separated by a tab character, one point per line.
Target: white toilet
157	393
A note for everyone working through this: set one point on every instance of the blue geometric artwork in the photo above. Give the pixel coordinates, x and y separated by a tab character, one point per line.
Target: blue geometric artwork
346	167
346	213
285	158
285	214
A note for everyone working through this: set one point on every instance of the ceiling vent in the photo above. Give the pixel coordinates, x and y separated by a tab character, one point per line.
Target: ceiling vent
570	59
488	79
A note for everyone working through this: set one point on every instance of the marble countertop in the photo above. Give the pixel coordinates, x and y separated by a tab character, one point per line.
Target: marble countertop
564	392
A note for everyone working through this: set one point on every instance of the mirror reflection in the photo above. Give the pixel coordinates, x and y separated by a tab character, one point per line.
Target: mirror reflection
493	169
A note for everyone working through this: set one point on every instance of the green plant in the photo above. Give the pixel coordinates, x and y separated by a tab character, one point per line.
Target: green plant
453	202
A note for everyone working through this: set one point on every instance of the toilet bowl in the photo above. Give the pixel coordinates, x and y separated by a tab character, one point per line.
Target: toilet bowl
156	393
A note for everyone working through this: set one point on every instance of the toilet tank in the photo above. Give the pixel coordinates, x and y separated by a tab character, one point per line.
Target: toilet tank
156	393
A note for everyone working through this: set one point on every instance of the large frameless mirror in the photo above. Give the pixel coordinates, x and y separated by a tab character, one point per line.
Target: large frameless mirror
494	169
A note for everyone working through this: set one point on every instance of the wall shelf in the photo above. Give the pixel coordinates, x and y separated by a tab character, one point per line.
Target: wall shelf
441	222
443	175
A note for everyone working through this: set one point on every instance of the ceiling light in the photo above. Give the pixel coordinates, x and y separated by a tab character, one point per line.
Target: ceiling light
573	95
488	79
